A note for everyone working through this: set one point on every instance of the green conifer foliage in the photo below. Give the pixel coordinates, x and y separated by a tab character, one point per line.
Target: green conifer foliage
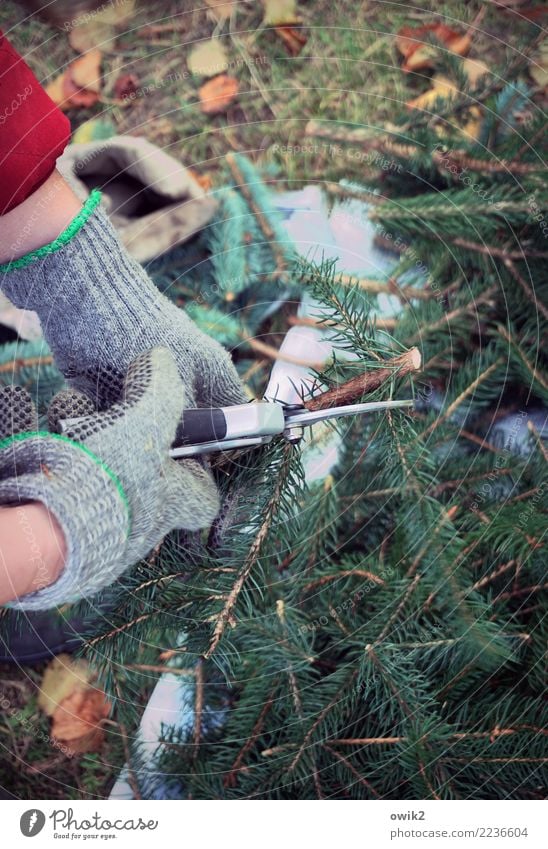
379	634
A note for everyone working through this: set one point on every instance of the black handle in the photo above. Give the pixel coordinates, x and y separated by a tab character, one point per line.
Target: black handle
200	425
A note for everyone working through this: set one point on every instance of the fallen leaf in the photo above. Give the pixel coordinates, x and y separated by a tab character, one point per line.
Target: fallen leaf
77	707
445	88
85	72
419	55
125	86
80	83
280	13
205	181
474	69
62	676
538	67
78	721
97	27
221	10
442	87
217	94
84	37
293	38
208	59
93	130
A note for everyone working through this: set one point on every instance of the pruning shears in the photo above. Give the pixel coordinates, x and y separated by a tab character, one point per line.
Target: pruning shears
206	430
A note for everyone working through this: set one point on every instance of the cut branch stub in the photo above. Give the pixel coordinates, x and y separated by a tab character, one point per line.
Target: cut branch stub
355	388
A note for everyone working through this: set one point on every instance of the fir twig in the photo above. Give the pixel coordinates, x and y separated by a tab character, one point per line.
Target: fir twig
198	705
540	443
352	769
262	220
224	617
491	250
132	778
231	778
491	166
525	286
462	397
27	362
534	372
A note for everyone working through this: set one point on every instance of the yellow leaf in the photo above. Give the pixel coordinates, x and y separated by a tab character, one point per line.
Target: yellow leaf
221	10
474	69
443	87
84	37
538	67
85	72
208	59
94	28
280	12
63	676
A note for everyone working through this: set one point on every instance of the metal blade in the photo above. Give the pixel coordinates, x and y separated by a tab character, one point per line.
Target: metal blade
306	417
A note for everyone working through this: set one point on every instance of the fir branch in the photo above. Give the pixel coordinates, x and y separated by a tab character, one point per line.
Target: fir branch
467	735
502	253
447	318
358	136
345	573
323	713
462	397
525	286
375	287
26	362
132	778
306	321
231	778
361	780
224	617
446	516
461	159
198	705
482	582
391	619
262	220
349	392
540	443
519	592
534	372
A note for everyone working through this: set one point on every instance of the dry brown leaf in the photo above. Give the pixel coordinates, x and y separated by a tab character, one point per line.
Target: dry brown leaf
80	84
419	55
293	38
205	181
217	94
280	13
76	706
78	721
126	85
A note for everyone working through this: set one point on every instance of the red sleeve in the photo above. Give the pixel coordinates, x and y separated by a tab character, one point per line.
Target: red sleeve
33	131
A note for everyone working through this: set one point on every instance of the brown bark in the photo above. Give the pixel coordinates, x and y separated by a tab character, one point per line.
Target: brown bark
355	388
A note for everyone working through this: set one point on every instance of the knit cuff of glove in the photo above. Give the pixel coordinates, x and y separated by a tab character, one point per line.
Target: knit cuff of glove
87	500
73	228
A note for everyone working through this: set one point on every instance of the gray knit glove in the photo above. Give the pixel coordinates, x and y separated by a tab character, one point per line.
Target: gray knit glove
110	483
99	309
